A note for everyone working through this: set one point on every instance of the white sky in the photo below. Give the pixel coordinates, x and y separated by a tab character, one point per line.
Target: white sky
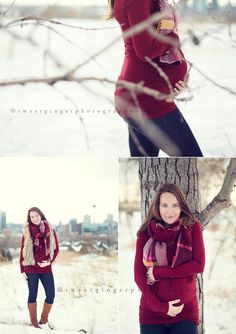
62	188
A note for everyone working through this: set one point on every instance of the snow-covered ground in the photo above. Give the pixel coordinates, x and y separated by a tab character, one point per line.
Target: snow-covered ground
85	297
211	113
219	287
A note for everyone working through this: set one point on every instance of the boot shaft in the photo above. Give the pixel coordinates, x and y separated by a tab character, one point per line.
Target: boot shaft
44	316
33	314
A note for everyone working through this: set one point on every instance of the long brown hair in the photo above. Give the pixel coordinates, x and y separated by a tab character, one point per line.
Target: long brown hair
35	209
187	217
111	4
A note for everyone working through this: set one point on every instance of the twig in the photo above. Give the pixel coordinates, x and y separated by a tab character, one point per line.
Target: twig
32	19
80	117
229	90
9	8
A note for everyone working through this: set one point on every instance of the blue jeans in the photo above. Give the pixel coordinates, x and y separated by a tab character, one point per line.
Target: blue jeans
47	281
181	327
170	129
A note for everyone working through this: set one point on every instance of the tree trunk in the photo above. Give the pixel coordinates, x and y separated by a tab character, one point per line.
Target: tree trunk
184	173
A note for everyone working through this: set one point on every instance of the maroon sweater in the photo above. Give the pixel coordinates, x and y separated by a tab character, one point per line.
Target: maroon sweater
41	256
135	68
173	283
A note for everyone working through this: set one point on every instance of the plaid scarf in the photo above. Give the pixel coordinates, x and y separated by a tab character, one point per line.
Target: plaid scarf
155	249
165	26
38	232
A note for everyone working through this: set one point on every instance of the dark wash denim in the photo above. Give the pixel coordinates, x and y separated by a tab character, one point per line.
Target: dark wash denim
47	281
174	126
181	327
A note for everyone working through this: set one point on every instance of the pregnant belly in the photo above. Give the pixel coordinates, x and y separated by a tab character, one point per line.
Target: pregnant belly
180	288
175	72
136	71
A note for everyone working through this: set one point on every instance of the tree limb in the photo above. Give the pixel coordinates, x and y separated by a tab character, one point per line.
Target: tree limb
222	199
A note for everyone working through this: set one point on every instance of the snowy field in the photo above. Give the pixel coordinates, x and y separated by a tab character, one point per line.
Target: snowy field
219	286
95	129
75	309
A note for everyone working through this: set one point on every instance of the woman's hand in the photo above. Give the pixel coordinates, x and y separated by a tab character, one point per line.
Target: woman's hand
180	86
25	278
150	277
44	263
174	310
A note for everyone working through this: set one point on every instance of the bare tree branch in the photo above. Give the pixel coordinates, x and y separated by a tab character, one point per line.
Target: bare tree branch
36	20
31	41
138	88
229	90
68	98
9	8
222	199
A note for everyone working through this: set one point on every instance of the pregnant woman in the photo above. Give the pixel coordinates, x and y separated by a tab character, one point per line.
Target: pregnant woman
157	65
169	254
39	248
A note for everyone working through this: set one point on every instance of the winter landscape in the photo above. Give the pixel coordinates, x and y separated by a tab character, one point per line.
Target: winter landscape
71	118
86	301
220	248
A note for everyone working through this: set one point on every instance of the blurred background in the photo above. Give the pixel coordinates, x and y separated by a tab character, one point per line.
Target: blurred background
220	244
79	198
43	39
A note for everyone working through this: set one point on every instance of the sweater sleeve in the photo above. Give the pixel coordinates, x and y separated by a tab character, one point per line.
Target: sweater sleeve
56	251
189	268
141	280
21	255
145	44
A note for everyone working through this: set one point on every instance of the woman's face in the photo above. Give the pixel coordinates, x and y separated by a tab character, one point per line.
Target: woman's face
169	208
35	217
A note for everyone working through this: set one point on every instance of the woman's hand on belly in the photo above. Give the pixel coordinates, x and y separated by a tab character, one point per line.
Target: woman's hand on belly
180	87
44	264
174	310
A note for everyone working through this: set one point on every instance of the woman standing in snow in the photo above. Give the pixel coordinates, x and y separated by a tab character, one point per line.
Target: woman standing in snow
169	254
158	65
39	248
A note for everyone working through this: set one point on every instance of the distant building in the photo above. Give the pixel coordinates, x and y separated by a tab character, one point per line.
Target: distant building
200	7
108	227
87	219
74	227
3	221
15	228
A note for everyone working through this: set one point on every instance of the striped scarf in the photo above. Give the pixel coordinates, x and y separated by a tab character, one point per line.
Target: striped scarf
42	232
155	249
165	26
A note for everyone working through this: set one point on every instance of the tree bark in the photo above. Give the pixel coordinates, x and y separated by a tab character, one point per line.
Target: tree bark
181	171
184	173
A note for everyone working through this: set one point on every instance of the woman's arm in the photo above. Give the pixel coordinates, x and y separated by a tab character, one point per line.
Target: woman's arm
56	251
141	280
21	255
145	44
189	268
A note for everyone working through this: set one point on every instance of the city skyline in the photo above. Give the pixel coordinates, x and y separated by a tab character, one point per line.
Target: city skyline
87	219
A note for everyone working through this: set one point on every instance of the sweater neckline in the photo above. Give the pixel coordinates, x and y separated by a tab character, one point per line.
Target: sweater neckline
170	226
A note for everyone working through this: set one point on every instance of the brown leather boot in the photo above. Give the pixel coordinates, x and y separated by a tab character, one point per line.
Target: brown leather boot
33	314
44	316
